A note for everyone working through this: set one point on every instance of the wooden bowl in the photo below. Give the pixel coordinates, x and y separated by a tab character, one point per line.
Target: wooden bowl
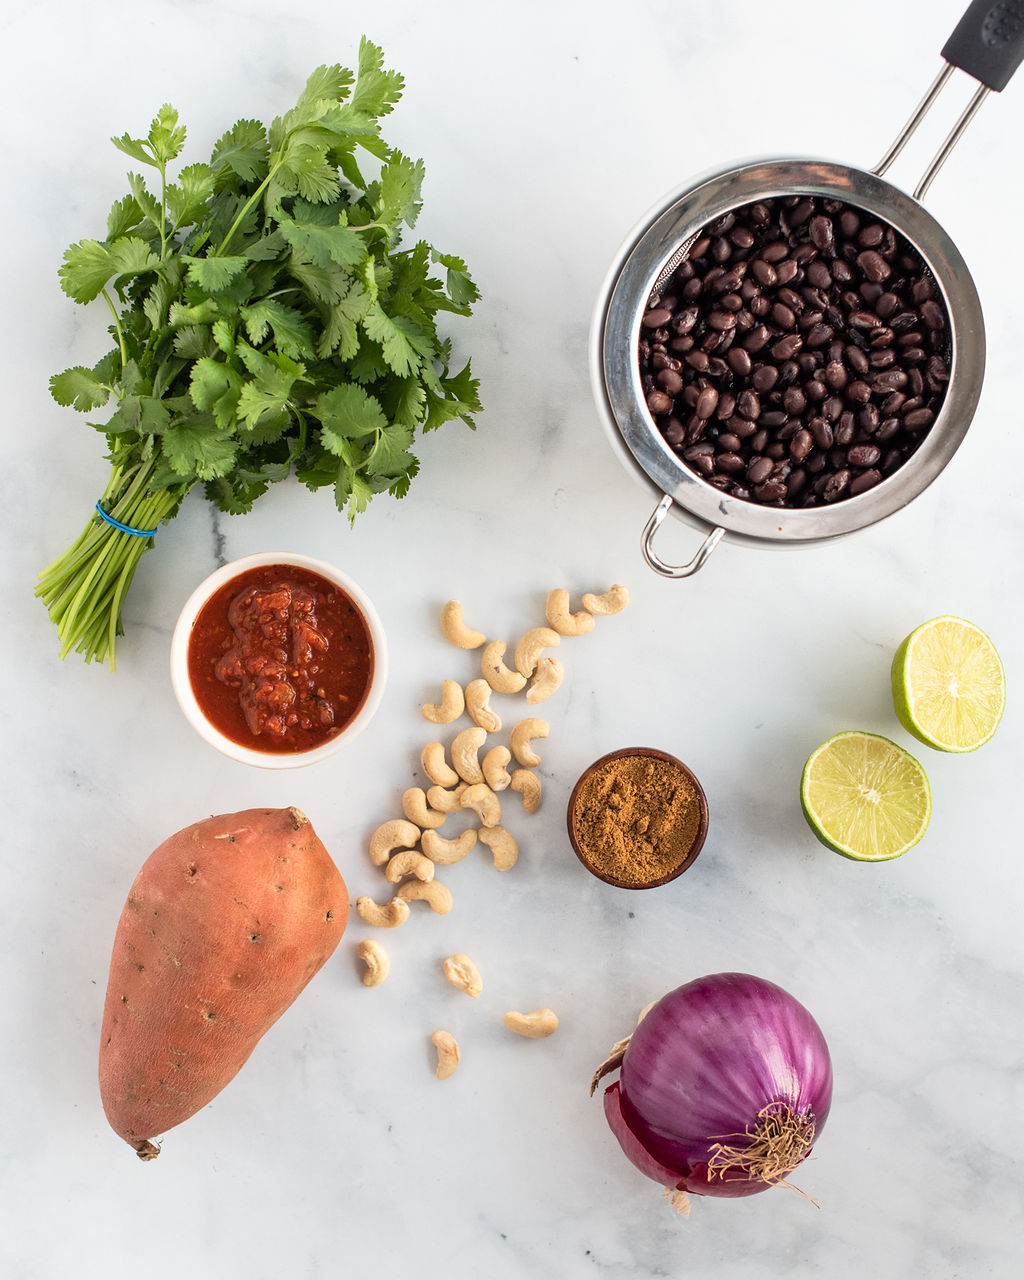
698	840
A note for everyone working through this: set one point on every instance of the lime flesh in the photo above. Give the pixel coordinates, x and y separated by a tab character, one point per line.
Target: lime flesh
948	687
865	797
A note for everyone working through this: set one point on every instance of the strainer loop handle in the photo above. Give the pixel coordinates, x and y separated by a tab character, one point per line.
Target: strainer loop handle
680	570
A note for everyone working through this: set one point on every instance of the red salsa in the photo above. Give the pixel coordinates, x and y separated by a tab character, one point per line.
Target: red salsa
280	659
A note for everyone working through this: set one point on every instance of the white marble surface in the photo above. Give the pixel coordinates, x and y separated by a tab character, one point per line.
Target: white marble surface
547	129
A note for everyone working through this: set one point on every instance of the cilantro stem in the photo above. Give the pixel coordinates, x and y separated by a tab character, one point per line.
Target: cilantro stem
244	211
84	589
117	327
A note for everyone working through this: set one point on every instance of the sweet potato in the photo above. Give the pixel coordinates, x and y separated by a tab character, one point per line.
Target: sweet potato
226	923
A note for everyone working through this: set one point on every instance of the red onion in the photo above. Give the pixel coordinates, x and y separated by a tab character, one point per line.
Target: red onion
723	1087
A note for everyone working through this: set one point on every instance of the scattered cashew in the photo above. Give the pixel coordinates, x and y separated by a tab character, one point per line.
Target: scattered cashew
432	892
461	972
376	960
415	808
396	834
496	775
535	1025
546	679
455	630
447	852
502	679
446	801
478	695
484	803
409	863
385	915
532	645
612	601
451	706
503	845
447	1054
522	735
436	767
556	610
529	787
465	747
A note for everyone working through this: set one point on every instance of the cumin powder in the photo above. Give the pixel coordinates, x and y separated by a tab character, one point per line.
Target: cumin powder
636	818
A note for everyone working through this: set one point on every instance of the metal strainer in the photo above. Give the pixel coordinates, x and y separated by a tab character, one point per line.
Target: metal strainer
988	44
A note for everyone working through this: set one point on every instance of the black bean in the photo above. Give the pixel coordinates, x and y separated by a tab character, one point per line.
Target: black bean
835	485
670	381
863	455
739	361
659	402
748	405
864	481
707	403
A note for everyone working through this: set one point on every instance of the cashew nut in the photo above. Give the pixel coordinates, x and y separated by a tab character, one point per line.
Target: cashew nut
436	767
546	679
409	863
493	765
478	695
532	645
461	972
446	852
465	747
521	736
612	601
556	610
502	679
446	801
503	845
455	630
396	834
432	892
383	915
415	808
529	787
484	803
451	706
447	1054
376	960
535	1025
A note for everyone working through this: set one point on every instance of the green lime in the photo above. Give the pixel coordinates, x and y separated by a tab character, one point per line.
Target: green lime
947	685
865	797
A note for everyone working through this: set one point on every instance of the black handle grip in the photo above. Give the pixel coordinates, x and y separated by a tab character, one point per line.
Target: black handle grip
988	42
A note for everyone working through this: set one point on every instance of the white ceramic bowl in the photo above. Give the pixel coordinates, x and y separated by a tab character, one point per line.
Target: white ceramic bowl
183	688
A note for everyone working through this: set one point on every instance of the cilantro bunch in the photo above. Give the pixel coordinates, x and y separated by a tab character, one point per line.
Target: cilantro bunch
266	321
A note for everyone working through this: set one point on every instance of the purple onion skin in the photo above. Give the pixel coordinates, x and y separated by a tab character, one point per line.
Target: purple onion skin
705	1060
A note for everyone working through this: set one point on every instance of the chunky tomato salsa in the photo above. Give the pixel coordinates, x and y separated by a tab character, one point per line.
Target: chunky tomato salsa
280	659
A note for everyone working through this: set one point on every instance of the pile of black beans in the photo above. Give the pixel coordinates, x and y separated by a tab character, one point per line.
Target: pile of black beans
799	355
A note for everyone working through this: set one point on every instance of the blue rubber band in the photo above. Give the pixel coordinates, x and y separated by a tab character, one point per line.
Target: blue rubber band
125	528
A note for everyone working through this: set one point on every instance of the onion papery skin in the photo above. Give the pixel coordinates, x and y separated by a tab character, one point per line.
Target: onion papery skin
704	1064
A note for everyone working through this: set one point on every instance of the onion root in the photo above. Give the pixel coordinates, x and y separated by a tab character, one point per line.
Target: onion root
776	1146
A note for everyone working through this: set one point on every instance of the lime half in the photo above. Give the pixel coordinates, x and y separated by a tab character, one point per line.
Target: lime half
865	797
947	685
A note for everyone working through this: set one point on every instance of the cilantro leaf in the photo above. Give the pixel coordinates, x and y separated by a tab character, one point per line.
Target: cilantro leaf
80	388
166	135
347	413
403	343
196	448
292	333
214	275
323	245
242	151
87	268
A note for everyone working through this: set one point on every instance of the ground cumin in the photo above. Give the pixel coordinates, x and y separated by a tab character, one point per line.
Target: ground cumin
636	818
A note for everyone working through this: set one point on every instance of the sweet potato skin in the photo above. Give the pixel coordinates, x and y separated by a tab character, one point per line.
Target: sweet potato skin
225	924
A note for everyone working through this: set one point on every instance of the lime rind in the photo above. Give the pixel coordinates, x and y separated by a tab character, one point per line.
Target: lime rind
948	685
865	797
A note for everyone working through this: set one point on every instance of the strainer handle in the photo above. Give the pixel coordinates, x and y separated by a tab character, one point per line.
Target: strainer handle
988	42
679	570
